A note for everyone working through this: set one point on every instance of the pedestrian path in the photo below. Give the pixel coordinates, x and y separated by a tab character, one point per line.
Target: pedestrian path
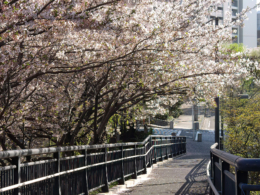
184	175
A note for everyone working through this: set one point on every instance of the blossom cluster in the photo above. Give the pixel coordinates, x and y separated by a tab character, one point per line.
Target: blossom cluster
66	67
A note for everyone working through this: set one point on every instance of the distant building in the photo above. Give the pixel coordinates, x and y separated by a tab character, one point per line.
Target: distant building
258	28
248	34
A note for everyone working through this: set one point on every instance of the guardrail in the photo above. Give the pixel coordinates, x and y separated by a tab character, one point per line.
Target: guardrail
225	181
83	169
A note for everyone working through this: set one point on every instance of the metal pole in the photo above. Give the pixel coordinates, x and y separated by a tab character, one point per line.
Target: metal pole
217	122
17	174
122	180
85	178
105	188
57	185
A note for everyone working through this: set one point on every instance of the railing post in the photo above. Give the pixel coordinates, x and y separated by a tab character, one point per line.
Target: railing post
135	173
145	166
122	180
178	145
161	150
105	188
215	159
151	152
57	187
185	145
180	141
211	172
85	178
17	173
155	150
170	148
211	165
182	145
173	147
224	166
241	177
166	148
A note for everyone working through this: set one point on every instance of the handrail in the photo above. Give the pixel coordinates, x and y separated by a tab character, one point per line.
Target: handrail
65	172
28	152
209	180
128	161
220	164
243	164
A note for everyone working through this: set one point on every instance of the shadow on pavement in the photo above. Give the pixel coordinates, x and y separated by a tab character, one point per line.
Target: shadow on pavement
196	182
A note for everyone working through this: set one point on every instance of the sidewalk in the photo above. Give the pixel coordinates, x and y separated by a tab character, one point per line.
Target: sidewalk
184	175
185	120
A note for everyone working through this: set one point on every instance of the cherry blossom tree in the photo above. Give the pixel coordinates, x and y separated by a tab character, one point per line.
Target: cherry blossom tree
68	66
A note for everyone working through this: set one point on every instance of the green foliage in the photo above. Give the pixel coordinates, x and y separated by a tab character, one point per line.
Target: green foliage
235	47
255	56
242	135
150	131
175	110
161	117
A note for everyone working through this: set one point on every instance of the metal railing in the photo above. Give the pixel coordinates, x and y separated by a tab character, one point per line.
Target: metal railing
83	169
225	181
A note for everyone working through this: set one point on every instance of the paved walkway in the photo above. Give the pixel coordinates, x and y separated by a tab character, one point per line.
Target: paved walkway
184	175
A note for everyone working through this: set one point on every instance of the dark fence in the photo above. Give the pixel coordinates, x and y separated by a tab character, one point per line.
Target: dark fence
159	122
81	169
228	174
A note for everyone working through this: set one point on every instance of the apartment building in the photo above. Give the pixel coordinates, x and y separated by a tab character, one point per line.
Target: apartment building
246	35
258	28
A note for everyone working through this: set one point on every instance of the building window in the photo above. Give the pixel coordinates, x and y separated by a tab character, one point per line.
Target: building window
234	3
234	39
234	12
220	21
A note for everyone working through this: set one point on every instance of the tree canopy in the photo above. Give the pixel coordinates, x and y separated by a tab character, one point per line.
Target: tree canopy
67	66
